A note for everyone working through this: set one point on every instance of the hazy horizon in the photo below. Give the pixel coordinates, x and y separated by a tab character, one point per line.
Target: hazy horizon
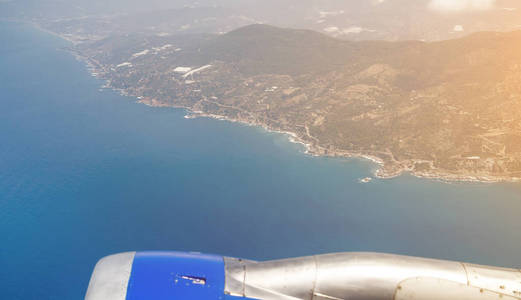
371	19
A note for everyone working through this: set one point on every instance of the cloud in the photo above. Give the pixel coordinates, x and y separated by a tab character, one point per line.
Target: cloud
460	5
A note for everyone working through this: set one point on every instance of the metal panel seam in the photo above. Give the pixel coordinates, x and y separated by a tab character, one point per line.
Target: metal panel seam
466	273
399	286
243	279
316	277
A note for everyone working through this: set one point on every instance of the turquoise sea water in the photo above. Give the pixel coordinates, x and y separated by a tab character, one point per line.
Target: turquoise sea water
85	173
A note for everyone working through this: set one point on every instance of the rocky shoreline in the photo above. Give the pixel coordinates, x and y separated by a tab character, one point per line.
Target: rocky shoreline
384	171
316	150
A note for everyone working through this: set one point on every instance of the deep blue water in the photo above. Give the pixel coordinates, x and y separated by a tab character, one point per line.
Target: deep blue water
85	173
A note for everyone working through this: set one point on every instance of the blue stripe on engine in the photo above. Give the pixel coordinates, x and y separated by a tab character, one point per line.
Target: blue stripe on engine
176	276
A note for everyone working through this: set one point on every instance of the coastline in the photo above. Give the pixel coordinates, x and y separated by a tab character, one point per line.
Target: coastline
315	150
318	151
382	172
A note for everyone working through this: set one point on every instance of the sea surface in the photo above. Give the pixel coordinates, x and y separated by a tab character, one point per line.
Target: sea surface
86	172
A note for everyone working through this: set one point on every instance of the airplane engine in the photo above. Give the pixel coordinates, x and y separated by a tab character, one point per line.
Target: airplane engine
186	276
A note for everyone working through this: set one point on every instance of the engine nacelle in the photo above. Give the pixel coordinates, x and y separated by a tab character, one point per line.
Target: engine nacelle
185	276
